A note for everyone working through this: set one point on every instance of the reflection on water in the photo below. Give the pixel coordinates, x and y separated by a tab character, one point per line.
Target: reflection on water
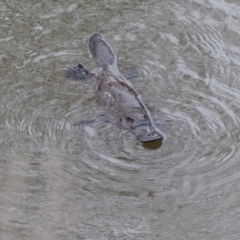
64	182
152	145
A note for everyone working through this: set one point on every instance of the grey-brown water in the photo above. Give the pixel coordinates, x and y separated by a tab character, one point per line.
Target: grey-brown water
63	182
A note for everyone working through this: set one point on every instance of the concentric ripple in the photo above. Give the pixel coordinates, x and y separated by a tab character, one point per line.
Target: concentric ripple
66	180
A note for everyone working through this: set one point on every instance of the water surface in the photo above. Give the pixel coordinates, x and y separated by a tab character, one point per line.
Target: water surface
63	182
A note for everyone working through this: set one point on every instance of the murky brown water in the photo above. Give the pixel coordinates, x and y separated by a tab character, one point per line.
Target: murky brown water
63	182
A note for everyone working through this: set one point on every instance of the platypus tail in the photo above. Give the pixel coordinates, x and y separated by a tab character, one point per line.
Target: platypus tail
101	51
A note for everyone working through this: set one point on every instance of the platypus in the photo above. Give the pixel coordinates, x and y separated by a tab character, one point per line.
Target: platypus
121	100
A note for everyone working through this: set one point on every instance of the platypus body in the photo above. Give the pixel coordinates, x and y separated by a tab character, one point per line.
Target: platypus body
116	93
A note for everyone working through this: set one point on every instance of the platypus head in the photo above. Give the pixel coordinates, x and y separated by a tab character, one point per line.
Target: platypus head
141	126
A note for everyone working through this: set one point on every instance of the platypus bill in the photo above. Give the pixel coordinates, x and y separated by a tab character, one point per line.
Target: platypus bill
116	93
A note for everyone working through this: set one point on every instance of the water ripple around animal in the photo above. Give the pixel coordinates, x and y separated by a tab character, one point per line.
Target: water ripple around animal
81	182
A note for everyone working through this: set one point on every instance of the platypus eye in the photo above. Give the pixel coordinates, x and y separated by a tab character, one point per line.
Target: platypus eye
129	120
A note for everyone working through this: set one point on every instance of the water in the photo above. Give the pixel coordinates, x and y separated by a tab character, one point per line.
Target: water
63	182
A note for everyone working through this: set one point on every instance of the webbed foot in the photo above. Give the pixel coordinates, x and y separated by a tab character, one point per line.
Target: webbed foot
77	73
130	73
